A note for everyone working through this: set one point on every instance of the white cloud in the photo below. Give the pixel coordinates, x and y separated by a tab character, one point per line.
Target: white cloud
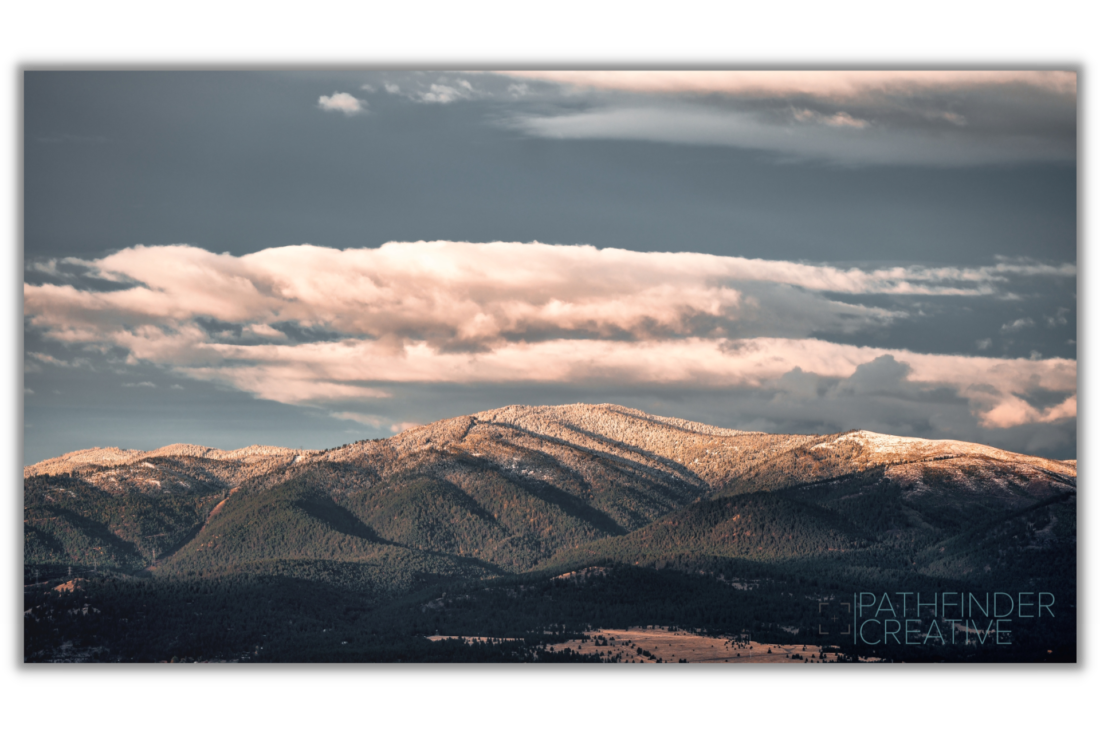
460	295
138	384
446	93
441	91
421	283
1017	325
342	102
509	313
1012	411
264	331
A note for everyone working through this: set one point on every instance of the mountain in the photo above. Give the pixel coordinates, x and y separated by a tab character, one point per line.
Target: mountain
520	493
515	486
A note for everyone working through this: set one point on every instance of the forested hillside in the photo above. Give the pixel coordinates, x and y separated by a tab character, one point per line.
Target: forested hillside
484	506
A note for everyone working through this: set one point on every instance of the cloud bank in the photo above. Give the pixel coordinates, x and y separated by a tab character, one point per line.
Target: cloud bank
937	118
309	325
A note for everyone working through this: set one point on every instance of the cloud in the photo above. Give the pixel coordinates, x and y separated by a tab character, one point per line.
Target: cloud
446	93
54	361
1058	319
889	395
264	331
984	344
479	291
853	142
507	313
442	91
954	118
1017	325
937	118
46	267
342	102
139	384
374	421
466	296
990	386
839	119
287	379
842	85
1012	411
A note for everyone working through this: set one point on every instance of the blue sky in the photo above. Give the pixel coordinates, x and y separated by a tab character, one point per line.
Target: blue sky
791	253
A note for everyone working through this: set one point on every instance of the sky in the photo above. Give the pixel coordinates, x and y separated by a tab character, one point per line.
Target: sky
308	258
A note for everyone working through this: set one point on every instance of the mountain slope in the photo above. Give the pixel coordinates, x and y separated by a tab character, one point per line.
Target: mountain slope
525	521
297	531
517	486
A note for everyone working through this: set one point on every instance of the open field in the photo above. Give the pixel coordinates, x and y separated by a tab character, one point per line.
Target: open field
656	644
648	646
